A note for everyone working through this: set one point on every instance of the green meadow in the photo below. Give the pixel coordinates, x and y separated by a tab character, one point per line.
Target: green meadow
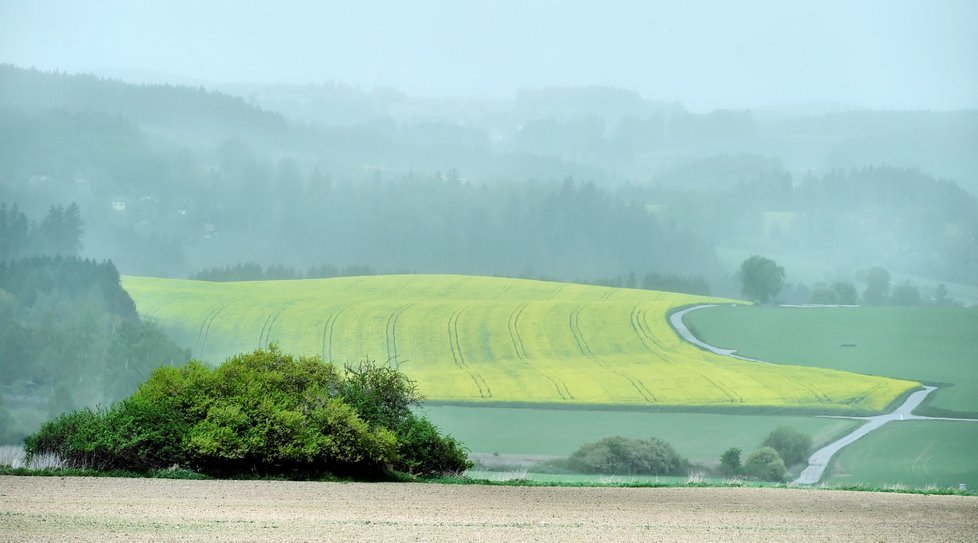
700	437
912	453
934	345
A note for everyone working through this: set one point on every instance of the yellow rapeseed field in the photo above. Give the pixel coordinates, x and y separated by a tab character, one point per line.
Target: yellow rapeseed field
486	339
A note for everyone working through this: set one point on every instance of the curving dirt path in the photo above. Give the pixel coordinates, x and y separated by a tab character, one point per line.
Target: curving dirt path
676	320
819	460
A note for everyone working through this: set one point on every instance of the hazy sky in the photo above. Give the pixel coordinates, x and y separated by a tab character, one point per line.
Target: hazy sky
881	53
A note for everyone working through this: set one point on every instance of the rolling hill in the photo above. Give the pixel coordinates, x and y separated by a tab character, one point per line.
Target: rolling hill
487	340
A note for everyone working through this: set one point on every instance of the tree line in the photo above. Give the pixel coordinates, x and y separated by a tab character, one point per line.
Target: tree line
763	280
58	233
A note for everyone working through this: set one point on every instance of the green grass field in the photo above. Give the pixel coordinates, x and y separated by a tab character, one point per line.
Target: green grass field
701	437
938	345
483	339
912	453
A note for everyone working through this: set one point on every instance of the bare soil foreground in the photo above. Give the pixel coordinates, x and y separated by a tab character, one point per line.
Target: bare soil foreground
104	509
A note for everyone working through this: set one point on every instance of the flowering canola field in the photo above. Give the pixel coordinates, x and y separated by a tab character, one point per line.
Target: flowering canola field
497	340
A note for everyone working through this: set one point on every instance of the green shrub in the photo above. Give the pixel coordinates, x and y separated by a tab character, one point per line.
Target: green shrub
69	436
765	464
424	451
381	395
263	413
627	456
730	462
792	445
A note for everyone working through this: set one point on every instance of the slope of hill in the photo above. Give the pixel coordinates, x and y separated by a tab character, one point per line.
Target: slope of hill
191	114
494	340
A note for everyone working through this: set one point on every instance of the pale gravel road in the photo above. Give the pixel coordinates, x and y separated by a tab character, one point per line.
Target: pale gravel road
819	460
45	509
676	320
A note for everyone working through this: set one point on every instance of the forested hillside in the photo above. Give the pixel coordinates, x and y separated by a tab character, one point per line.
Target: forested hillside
570	183
70	336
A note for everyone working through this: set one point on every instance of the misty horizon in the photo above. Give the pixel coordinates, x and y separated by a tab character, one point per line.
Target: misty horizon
706	56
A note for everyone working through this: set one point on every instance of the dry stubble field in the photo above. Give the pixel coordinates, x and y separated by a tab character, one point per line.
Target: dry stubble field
105	509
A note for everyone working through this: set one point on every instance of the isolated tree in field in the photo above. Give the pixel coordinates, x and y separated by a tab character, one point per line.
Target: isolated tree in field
846	292
765	464
877	287
824	295
762	279
906	294
730	462
792	446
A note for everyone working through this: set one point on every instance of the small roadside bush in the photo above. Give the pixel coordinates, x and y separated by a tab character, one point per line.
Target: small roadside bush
627	456
793	446
766	465
264	413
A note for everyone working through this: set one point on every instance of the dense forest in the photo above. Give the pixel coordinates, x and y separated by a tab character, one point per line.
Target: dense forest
582	184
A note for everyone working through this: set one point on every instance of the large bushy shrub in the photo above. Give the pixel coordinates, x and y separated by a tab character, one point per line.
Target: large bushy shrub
627	456
792	445
765	464
264	413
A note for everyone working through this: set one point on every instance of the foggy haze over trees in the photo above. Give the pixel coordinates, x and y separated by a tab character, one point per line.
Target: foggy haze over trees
630	144
70	336
566	183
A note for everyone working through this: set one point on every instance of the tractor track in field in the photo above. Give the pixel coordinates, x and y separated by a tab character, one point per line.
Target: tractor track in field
456	348
480	383
392	353
265	335
582	344
352	285
328	333
652	344
455	286
205	329
397	288
453	341
514	334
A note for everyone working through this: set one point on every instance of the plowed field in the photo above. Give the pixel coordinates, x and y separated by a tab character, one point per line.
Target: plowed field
103	509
